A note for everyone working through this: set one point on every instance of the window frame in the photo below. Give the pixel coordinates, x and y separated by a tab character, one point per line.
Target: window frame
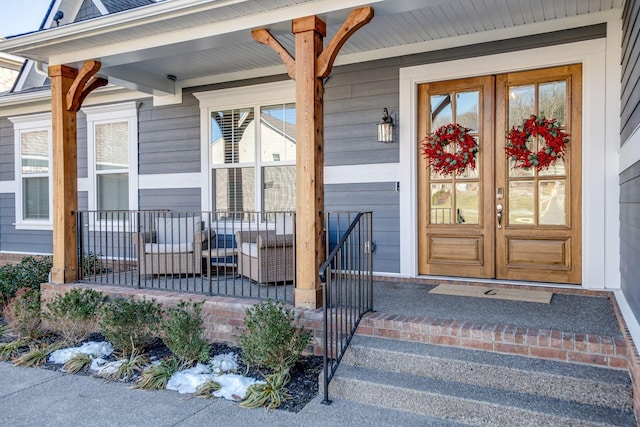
254	96
23	124
114	113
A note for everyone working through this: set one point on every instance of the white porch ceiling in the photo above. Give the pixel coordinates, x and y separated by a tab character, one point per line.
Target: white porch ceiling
193	39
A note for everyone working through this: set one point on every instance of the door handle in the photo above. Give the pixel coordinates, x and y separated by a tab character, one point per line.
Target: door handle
499	208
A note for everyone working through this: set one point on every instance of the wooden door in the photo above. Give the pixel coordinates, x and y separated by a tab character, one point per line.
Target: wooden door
455	211
540	235
537	236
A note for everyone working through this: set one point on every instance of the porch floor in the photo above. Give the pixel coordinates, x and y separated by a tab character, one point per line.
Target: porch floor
569	313
577	326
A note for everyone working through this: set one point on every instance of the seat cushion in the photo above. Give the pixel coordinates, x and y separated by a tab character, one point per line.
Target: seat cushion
250	249
161	248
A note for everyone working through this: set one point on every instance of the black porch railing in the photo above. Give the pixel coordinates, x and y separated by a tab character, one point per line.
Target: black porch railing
241	254
347	291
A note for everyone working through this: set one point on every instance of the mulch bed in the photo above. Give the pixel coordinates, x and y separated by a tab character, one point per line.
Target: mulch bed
304	375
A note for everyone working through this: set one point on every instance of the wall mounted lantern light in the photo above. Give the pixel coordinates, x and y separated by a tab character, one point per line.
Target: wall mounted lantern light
385	128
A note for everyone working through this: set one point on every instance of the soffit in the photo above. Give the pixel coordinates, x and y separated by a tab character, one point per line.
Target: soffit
192	39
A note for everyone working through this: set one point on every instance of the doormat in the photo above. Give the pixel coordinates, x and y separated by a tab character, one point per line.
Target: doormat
526	295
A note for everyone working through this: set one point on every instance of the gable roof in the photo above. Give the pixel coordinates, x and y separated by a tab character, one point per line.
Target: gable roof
29	77
115	6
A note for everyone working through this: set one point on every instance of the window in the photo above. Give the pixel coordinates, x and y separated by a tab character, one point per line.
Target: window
33	171
112	165
112	147
252	148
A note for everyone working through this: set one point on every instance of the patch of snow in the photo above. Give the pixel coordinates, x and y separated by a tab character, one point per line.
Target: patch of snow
227	362
102	367
92	348
189	380
234	386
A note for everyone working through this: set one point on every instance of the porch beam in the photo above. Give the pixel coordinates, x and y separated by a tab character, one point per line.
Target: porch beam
311	66
68	90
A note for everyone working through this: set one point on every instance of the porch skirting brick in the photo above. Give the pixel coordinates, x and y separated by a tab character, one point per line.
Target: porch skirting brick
541	343
223	316
13	258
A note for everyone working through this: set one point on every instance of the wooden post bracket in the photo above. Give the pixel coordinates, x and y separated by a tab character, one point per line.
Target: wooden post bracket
357	19
264	36
84	84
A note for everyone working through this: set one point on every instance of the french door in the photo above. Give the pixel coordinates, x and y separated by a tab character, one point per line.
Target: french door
497	220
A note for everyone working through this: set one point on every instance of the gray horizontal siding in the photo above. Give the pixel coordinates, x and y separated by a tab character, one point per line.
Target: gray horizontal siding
169	137
630	96
356	94
83	200
87	11
7	151
630	236
12	240
384	202
179	199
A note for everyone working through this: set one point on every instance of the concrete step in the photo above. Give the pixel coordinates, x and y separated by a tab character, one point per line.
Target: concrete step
466	403
572	382
481	388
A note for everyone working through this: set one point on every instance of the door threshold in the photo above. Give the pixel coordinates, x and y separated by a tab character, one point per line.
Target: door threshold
502	282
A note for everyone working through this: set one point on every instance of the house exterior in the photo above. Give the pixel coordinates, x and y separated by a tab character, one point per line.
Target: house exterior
183	74
9	68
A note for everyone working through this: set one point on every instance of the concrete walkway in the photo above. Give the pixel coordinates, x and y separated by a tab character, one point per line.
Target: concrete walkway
40	397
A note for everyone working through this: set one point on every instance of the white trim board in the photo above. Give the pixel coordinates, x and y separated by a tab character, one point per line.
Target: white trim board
358	174
598	69
630	151
629	318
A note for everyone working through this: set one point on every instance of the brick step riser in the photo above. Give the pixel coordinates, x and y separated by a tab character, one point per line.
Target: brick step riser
498	377
539	343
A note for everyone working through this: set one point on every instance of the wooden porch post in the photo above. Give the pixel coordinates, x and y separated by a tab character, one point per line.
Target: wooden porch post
309	68
310	32
68	90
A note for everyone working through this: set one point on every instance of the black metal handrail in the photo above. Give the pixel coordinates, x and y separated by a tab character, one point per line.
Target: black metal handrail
347	287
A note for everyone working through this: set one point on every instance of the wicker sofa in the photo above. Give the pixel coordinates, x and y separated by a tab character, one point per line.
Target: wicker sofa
173	246
267	256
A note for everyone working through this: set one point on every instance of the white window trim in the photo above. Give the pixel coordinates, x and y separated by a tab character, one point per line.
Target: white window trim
105	114
30	123
600	147
240	97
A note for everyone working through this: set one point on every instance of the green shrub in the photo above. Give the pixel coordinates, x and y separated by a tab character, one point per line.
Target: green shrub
207	389
77	363
130	367
182	333
93	265
37	355
271	394
270	338
157	376
13	349
22	313
74	315
130	324
29	273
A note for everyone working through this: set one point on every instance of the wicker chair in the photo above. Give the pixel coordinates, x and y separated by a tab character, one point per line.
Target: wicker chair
173	247
267	256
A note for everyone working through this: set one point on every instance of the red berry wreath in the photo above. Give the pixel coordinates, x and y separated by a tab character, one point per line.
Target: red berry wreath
554	148
446	162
